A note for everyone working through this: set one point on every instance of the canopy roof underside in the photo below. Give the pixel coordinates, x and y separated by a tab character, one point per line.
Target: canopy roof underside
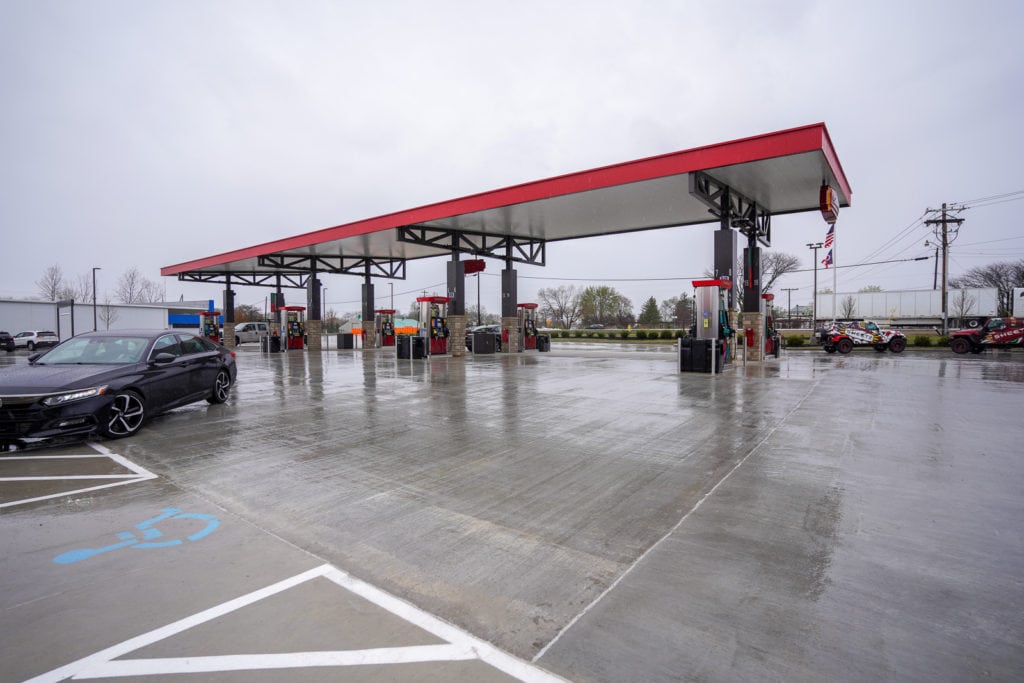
781	172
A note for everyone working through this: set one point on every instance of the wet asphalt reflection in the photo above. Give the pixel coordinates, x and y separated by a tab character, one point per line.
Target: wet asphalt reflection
817	517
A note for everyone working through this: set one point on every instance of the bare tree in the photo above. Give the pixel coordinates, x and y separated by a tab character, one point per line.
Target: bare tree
133	288
848	307
561	304
51	284
1003	275
775	264
962	304
107	313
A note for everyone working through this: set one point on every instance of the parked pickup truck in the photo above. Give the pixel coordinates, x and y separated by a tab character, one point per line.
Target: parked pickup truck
250	332
997	333
843	336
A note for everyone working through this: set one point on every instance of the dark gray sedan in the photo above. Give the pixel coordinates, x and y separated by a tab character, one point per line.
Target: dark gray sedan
109	383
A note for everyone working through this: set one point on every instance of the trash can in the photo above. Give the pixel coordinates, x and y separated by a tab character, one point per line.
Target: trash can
346	341
403	343
264	344
543	342
484	342
275	344
419	347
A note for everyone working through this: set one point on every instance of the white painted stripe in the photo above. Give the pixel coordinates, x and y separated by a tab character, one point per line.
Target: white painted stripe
5	458
76	476
487	652
73	492
678	524
289	660
169	630
138	474
462	646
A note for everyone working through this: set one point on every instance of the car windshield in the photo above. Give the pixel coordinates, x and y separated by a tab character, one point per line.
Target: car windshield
98	350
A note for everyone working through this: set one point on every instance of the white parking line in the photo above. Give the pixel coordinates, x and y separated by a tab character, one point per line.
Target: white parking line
460	646
137	474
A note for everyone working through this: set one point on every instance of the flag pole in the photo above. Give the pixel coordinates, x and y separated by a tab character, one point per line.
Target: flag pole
835	271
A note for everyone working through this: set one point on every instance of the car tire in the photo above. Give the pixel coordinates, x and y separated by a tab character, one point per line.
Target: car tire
897	344
238	342
974	323
126	415
844	346
960	345
31	347
221	388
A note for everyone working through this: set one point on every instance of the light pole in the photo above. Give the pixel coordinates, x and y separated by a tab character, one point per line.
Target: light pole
814	302
94	297
323	316
392	286
478	318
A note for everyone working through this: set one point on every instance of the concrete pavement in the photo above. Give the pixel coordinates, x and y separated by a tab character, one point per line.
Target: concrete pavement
588	510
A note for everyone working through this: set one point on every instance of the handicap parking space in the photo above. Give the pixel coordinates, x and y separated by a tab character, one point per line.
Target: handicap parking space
151	580
587	514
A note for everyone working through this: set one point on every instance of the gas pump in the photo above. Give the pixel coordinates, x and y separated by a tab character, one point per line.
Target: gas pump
384	322
295	326
772	338
707	349
527	314
434	316
209	326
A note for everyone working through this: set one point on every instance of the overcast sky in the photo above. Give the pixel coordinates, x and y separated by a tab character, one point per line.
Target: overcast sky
151	133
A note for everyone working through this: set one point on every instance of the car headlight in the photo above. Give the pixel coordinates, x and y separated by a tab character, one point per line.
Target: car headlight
61	399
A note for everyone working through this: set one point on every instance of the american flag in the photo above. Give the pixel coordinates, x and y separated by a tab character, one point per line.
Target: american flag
830	236
828	258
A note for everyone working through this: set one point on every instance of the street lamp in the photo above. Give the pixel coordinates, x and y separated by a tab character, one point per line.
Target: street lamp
814	302
392	286
94	297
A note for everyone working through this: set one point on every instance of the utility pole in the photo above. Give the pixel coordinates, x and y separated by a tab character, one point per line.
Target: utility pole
814	302
789	302
945	222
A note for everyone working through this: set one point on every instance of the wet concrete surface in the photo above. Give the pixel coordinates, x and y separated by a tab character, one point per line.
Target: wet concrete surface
817	517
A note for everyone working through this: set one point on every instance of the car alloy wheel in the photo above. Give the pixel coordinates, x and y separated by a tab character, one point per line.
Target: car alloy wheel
221	388
127	413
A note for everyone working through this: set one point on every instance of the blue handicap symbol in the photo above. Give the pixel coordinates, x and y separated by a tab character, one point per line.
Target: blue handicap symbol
149	535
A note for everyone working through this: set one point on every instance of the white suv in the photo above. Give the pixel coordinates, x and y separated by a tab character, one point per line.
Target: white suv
250	332
34	339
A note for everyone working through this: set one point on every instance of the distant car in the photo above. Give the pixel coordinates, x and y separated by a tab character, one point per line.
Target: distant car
109	383
6	341
493	329
595	326
250	332
36	339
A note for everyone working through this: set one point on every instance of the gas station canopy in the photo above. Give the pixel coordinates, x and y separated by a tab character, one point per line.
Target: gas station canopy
772	174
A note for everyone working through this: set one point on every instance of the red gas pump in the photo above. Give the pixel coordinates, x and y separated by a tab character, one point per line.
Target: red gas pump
527	314
384	323
434	316
209	326
295	326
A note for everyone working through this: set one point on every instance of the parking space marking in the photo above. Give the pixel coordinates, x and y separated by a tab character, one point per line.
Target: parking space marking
137	474
460	646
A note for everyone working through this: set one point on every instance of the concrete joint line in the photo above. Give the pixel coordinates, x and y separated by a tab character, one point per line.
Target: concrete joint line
710	492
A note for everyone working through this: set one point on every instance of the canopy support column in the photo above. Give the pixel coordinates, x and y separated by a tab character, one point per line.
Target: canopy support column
369	332
228	337
457	306
509	300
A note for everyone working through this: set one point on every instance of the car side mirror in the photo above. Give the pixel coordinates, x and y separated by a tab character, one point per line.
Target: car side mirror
163	358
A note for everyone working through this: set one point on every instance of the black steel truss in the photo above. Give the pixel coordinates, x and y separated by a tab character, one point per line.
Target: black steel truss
745	214
393	268
294	279
521	249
